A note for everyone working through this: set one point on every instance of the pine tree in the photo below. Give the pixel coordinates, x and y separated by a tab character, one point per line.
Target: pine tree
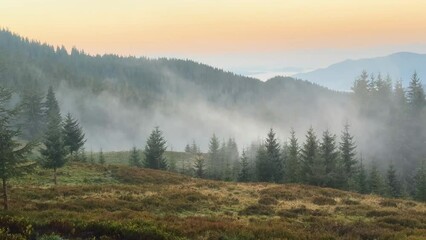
73	135
274	159
329	154
213	163
101	157
199	167
393	184
32	114
415	94
292	160
53	153
244	175
194	148
91	158
188	148
135	159
375	180
154	150
347	153
13	155
263	167
421	183
309	155
362	184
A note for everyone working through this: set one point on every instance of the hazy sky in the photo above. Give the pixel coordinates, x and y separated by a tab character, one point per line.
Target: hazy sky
237	35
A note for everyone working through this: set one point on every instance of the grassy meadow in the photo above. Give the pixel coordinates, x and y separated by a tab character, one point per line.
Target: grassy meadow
121	202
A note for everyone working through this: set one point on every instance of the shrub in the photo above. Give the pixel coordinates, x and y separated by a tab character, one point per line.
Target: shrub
267	201
388	203
258	209
324	201
348	201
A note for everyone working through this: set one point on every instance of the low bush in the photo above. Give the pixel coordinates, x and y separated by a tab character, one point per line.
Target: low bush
257	209
324	201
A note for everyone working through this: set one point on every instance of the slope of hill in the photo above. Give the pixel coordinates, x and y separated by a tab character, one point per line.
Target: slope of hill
118	202
340	76
128	96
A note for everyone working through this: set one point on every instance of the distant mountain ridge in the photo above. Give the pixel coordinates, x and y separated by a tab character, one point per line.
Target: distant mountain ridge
340	76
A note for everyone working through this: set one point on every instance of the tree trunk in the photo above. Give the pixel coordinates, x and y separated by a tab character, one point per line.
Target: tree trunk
54	176
5	199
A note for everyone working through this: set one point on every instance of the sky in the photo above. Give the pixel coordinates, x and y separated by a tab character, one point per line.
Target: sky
244	36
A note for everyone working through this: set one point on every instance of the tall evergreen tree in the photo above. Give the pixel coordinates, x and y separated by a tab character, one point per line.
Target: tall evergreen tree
213	164
135	158
53	153
329	155
101	157
199	166
375	180
263	167
73	135
347	153
154	150
309	157
393	184
362	182
244	175
292	159
416	94
273	157
13	155
32	114
421	183
91	158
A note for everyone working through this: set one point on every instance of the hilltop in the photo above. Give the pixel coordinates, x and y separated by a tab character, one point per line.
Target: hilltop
120	202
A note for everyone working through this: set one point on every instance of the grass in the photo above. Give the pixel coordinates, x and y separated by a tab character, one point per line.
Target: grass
121	202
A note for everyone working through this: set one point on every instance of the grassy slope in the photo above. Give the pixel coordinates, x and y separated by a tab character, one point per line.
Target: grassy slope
129	203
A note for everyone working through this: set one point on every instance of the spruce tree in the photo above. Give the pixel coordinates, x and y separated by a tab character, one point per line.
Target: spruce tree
213	164
32	114
135	159
263	167
421	183
91	158
347	154
362	184
292	160
101	159
375	180
13	155
244	175
199	166
393	184
188	148
416	94
53	154
309	157
329	155
274	157
73	135
154	150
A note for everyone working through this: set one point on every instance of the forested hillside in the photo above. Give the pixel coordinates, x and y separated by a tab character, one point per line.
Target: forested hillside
128	95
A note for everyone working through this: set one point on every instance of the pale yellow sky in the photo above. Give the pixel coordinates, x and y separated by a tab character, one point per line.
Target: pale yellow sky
221	27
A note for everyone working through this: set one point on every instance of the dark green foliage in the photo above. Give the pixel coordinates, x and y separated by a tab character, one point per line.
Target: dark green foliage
13	155
375	180
309	157
101	159
32	113
213	163
53	153
329	155
244	175
393	183
421	183
154	150
361	179
415	94
263	168
73	135
135	158
292	160
199	166
347	154
273	157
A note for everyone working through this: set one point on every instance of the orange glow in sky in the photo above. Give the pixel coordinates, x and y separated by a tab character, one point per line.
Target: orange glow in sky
167	27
